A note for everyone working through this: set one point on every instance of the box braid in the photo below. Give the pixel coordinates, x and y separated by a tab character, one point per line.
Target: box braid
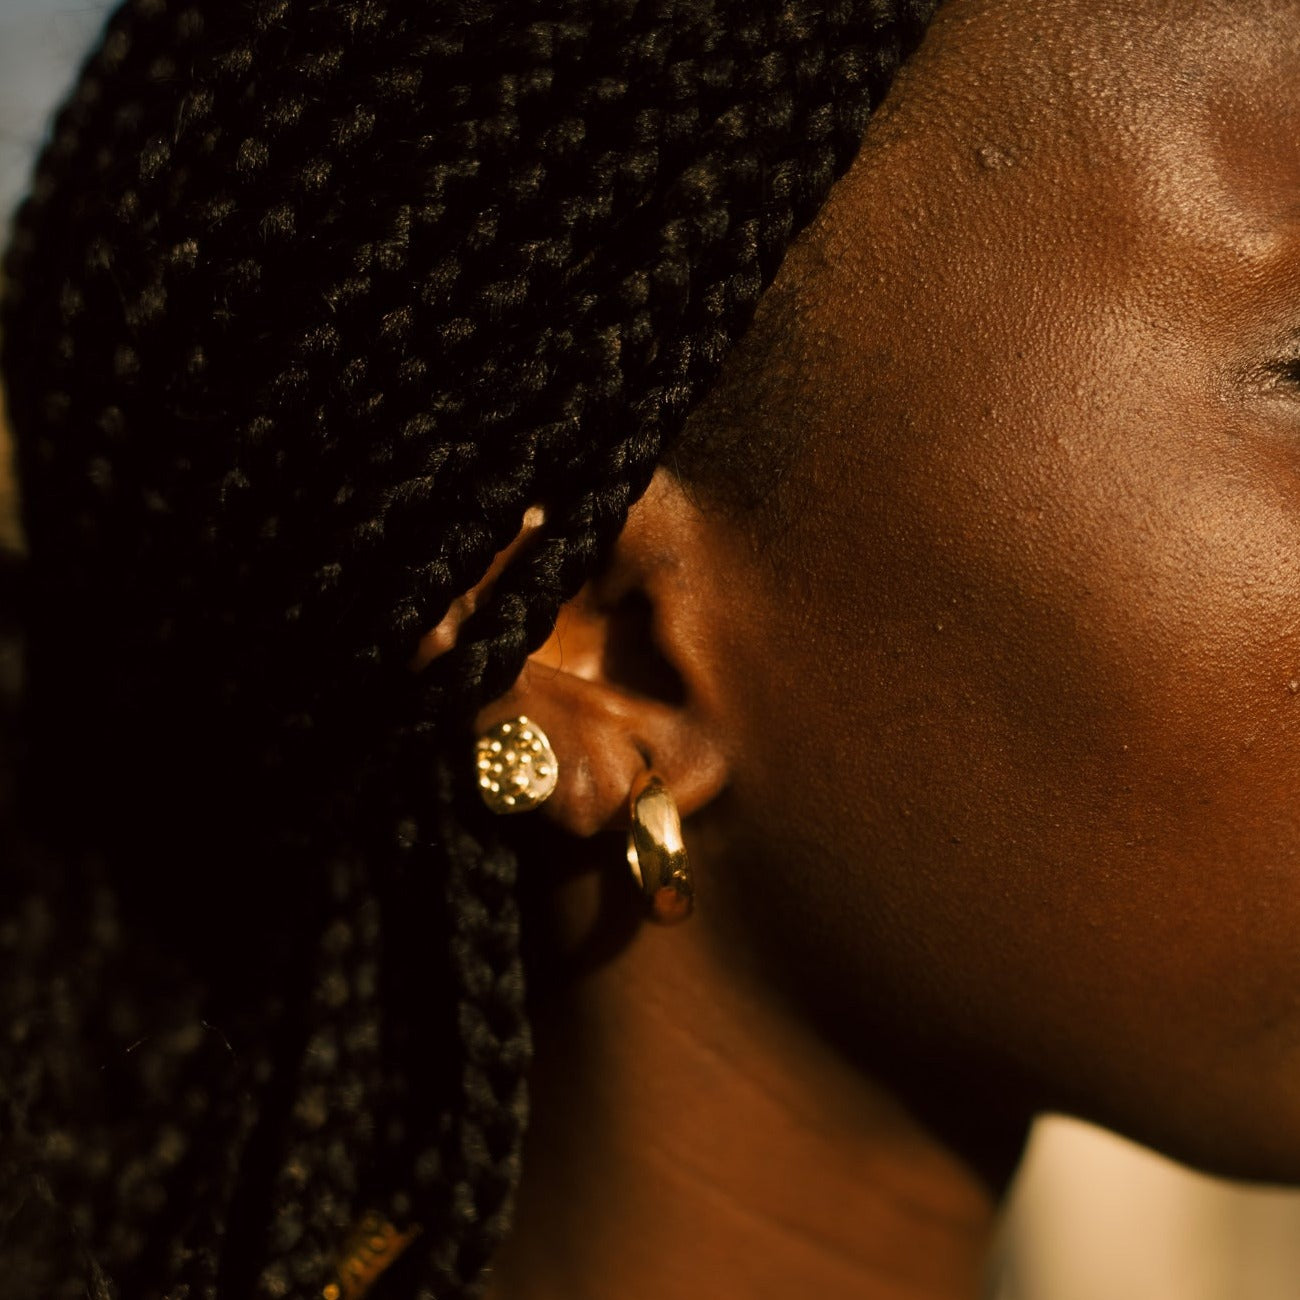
310	301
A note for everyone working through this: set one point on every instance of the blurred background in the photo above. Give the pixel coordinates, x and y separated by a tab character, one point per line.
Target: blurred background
1091	1217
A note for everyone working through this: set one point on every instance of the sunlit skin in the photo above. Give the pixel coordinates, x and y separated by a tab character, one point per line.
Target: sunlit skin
989	754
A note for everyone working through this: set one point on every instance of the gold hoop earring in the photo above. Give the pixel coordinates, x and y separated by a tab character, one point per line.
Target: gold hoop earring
655	851
516	766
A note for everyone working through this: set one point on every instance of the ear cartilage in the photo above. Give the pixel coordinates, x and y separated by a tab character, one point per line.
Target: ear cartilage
515	765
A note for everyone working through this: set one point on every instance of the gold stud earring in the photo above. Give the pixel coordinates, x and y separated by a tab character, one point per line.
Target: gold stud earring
655	851
515	765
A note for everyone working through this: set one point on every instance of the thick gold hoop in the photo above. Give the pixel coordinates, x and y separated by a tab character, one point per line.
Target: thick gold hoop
655	851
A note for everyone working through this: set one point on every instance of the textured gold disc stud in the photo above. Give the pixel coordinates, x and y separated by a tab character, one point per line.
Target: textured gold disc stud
516	766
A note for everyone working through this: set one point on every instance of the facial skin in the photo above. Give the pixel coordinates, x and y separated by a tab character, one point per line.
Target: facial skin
999	807
1038	636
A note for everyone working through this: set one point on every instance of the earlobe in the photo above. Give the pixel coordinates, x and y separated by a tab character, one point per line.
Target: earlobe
622	687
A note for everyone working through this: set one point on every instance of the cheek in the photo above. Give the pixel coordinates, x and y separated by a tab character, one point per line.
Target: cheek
1038	769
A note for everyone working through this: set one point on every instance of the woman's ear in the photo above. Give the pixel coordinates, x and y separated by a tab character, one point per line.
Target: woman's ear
626	681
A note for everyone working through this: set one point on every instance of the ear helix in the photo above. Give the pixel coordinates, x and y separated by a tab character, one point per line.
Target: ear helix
517	771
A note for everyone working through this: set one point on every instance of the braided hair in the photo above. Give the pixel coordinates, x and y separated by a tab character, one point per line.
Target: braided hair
310	301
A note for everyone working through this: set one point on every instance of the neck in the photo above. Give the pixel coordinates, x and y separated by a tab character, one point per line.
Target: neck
691	1139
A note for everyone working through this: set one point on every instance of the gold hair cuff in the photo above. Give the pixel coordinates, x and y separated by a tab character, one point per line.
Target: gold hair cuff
370	1249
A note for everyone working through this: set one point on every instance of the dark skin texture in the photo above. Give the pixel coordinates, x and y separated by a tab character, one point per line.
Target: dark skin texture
989	749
